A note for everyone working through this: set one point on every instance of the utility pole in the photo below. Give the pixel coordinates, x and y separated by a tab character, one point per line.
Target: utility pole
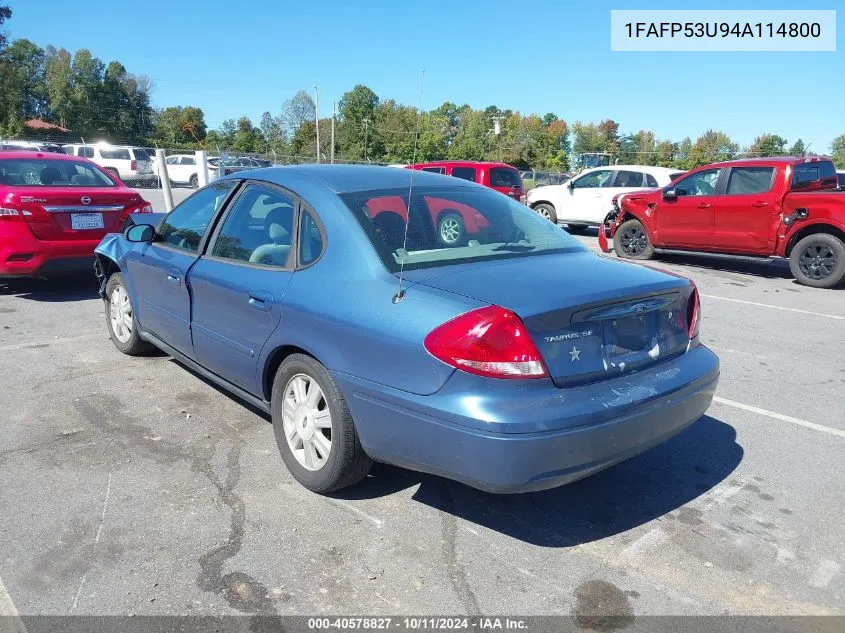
366	123
497	130
317	119
334	114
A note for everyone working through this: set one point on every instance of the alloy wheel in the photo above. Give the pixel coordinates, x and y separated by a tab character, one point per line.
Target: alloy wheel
307	422
120	313
544	212
450	230
818	261
634	240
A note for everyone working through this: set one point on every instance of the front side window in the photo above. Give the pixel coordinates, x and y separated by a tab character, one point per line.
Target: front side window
188	222
172	160
701	183
628	179
749	180
599	178
310	239
450	226
27	172
258	228
464	173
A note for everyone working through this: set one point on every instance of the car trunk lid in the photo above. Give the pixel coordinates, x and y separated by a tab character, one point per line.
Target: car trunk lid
591	318
79	215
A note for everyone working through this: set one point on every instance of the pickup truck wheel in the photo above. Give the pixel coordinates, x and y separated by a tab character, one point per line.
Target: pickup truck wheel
313	427
818	260
547	211
631	241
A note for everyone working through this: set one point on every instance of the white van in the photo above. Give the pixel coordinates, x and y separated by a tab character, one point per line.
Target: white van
133	165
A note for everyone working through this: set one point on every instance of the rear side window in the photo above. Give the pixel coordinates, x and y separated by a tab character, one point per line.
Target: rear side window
504	177
188	160
115	154
464	173
628	179
435	170
87	152
748	180
808	174
650	181
842	181
310	240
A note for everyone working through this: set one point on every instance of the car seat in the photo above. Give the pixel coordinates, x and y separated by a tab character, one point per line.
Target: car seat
276	227
50	175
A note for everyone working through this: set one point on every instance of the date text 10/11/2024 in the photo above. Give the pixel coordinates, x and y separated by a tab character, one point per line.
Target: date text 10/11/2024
418	624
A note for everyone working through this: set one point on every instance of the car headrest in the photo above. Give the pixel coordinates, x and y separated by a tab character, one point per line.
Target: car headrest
49	175
276	224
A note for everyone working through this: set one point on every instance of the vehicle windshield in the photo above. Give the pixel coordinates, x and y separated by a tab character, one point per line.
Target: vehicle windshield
28	172
452	226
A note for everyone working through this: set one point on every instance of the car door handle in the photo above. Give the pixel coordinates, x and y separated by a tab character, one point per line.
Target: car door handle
261	300
760	205
174	277
704	205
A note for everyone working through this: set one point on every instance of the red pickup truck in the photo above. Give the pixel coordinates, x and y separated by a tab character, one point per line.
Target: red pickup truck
765	207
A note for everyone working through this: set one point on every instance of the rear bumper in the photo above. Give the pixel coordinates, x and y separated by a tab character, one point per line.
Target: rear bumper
23	255
487	441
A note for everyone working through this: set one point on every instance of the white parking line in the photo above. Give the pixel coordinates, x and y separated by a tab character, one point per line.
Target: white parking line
768	305
780	416
10	619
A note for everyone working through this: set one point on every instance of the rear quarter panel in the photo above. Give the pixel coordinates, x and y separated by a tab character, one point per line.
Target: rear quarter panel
825	208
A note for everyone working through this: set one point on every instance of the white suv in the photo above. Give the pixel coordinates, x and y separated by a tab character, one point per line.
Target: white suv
585	199
132	165
181	169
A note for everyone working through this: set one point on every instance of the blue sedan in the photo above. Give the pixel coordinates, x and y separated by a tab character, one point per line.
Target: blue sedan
414	319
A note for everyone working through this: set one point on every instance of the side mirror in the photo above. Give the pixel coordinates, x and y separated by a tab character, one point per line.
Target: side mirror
141	233
670	193
571	185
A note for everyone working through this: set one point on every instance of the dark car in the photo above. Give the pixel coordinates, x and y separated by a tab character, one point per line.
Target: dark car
517	360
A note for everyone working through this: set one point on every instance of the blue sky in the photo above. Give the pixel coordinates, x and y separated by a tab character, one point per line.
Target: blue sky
245	57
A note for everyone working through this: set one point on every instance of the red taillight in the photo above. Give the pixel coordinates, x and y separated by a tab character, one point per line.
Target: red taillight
693	313
8	214
133	165
488	341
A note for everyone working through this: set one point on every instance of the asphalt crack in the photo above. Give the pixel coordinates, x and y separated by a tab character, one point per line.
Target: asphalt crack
454	567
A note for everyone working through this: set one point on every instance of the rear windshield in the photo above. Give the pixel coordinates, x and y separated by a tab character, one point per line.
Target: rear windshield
26	172
451	226
504	177
141	154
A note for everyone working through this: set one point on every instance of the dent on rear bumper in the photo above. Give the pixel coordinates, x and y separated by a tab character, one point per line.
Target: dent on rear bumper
536	437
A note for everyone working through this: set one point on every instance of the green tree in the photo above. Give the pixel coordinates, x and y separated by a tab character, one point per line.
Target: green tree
5	14
837	151
58	75
356	110
798	148
297	110
472	138
178	126
23	93
768	145
711	147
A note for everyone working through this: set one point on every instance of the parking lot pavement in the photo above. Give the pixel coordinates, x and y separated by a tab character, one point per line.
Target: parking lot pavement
130	485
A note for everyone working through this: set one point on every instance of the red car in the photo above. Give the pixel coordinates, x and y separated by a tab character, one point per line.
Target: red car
764	207
499	176
54	209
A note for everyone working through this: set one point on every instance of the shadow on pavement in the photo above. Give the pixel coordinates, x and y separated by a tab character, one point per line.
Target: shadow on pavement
618	499
52	290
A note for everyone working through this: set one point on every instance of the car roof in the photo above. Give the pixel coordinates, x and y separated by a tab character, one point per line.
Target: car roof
642	168
778	160
350	178
36	154
463	163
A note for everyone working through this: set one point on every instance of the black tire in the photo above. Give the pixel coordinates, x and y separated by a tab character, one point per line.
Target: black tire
194	182
631	241
547	211
818	260
451	229
133	345
576	228
347	463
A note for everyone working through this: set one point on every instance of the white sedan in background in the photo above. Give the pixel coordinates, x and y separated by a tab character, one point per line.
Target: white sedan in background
585	199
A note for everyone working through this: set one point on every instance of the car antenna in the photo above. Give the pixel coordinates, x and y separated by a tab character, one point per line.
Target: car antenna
400	294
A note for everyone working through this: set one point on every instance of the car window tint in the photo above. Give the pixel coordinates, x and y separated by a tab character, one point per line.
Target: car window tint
115	154
310	240
464	173
188	222
842	181
807	174
599	178
172	160
702	183
87	152
650	181
141	154
435	170
452	226
258	228
628	179
748	180
504	177
188	160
